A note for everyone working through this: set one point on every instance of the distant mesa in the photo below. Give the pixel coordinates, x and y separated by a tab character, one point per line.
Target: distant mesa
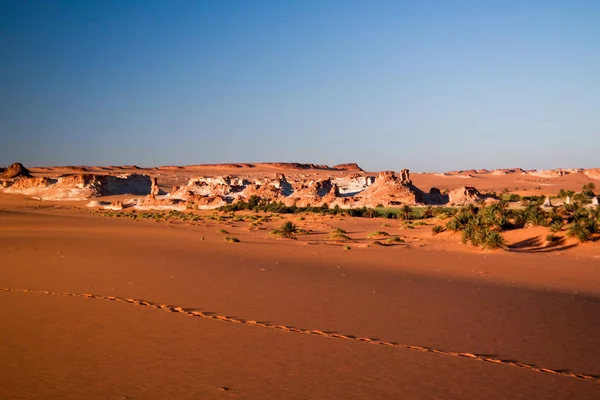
348	167
276	165
343	185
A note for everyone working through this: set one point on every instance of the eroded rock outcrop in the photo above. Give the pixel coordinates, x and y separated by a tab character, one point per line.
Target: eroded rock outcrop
593	173
81	187
464	195
389	190
16	170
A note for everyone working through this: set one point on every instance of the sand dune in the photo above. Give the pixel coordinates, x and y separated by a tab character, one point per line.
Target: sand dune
95	308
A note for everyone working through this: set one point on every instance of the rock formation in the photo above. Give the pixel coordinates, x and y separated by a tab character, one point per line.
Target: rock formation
154	189
81	187
547	202
405	177
16	170
549	173
593	173
389	190
352	191
464	195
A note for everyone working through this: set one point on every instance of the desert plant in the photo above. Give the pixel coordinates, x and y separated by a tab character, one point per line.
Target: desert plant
394	239
223	231
494	240
427	212
338	230
231	239
347	248
378	233
339	236
552	239
556	226
514	198
405	212
453	225
437	229
591	225
579	232
288	230
588	189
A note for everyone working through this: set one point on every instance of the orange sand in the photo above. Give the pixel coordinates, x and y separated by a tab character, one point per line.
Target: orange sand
401	314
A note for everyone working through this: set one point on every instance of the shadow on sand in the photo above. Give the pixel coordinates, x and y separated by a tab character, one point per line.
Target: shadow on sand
537	245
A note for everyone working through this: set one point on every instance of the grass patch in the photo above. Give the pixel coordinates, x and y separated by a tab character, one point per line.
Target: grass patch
232	239
339	236
437	229
394	239
378	234
338	230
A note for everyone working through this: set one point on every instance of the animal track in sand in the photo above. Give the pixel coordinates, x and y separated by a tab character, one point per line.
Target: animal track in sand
194	312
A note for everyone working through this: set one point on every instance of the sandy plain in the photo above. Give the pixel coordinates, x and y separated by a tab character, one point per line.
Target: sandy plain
104	308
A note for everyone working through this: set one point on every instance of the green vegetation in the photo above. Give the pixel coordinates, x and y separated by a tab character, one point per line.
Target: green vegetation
378	234
394	239
580	232
288	230
231	239
556	226
339	236
552	239
494	240
437	229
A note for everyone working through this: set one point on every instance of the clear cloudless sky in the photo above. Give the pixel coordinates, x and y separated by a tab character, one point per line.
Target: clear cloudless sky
425	85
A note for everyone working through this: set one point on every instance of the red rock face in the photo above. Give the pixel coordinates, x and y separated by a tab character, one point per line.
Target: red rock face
348	167
464	195
355	190
389	190
16	170
81	187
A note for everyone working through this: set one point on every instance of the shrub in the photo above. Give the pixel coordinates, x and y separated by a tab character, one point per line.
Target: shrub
591	225
437	229
552	238
406	211
394	239
588	189
453	225
347	248
427	212
378	233
338	230
556	226
579	232
288	230
223	231
494	240
231	239
339	236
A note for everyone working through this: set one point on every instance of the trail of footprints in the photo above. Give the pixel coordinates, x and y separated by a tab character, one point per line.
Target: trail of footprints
210	315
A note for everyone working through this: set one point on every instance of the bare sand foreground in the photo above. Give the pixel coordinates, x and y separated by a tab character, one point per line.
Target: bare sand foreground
99	308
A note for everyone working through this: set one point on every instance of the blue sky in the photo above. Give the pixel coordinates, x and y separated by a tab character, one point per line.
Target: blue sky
425	85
